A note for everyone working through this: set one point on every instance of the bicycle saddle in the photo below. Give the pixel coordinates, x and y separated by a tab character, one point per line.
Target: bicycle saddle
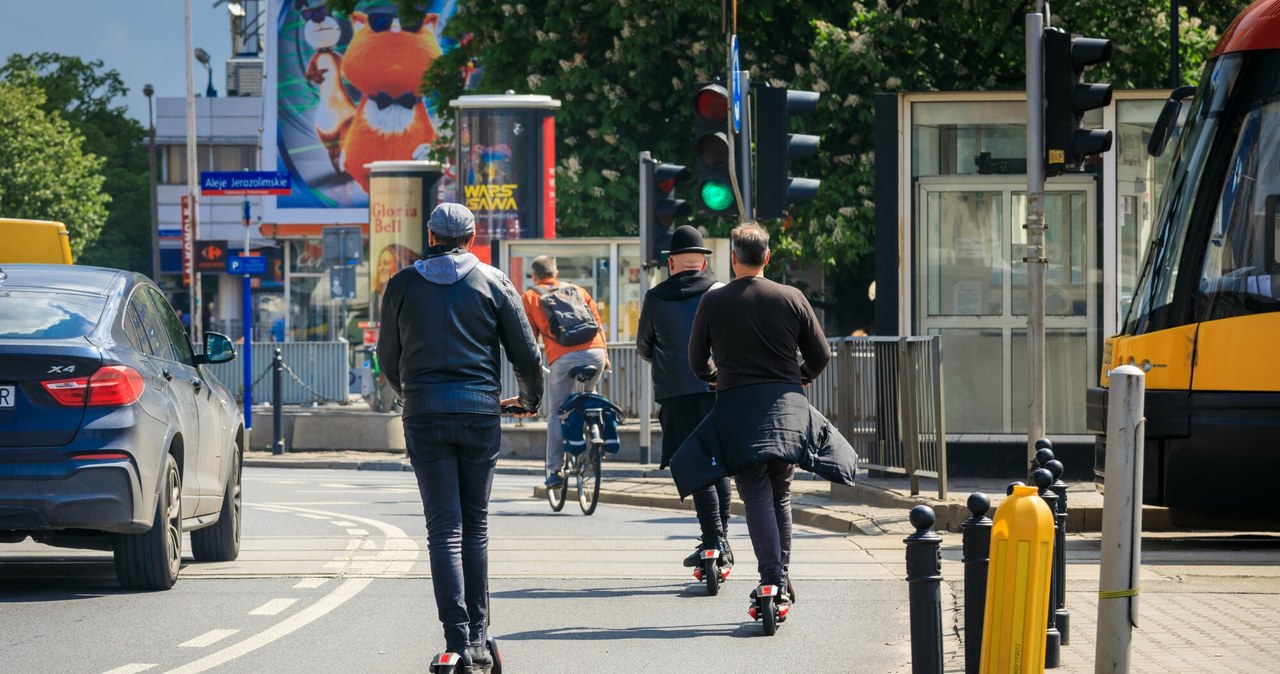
584	372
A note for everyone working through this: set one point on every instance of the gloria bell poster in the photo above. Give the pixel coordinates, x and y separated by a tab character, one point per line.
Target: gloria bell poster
342	93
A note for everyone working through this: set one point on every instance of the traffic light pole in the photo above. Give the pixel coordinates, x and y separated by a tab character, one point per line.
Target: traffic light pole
646	376
1035	258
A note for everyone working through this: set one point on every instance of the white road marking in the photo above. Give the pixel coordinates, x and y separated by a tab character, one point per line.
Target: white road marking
342	523
398	555
310	583
208	638
357	532
271	510
285	627
273	607
311	517
130	669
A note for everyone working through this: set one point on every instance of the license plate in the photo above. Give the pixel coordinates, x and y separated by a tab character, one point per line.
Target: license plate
7	397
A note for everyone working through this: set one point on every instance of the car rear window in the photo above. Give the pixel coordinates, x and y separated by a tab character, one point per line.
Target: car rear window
44	315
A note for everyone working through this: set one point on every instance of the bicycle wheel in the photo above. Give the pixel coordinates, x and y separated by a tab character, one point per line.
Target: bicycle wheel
589	480
556	495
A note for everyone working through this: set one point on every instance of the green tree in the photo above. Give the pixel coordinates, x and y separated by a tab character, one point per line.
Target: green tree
86	95
44	172
624	71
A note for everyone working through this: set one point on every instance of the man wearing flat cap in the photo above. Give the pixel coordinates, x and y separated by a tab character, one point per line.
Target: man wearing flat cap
443	320
666	319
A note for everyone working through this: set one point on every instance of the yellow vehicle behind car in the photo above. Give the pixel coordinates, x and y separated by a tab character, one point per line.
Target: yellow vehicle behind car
40	241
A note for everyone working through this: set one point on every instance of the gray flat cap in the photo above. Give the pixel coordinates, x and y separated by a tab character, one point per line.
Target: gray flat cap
452	220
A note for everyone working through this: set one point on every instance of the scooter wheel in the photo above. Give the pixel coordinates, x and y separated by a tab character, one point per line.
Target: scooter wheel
768	616
711	574
492	645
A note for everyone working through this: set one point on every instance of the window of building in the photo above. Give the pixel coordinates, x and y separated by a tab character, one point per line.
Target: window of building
208	158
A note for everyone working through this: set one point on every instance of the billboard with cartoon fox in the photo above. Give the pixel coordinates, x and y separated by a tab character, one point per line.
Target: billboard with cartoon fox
342	92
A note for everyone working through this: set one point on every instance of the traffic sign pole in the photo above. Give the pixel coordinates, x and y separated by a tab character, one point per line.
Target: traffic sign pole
247	322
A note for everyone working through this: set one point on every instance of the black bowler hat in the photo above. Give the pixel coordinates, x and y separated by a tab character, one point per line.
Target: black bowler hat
687	239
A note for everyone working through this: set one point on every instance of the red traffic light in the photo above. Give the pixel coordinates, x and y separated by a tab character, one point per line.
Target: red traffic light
712	103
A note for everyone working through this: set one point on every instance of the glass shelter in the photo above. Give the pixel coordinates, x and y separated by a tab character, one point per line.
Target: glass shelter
960	274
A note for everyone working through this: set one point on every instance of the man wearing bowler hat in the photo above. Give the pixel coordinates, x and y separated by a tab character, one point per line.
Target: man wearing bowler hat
443	320
666	319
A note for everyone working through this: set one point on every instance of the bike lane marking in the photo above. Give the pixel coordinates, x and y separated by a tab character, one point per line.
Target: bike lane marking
396	558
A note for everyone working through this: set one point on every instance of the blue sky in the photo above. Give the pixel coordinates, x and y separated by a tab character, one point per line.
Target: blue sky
142	39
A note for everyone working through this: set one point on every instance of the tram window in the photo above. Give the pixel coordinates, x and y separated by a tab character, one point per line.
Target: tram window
1273	234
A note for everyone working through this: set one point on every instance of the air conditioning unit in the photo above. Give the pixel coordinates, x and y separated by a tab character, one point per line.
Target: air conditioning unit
244	77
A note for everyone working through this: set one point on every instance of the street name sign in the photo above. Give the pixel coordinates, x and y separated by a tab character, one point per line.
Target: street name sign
244	183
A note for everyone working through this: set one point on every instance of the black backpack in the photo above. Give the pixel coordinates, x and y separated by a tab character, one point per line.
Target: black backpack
571	320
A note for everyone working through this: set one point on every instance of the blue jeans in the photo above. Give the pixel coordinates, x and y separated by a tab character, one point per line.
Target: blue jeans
560	385
453	457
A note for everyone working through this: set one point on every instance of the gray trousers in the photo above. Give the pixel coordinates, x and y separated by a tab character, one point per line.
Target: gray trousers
559	385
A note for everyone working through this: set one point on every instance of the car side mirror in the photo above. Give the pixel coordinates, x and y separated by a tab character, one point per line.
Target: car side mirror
1168	119
217	349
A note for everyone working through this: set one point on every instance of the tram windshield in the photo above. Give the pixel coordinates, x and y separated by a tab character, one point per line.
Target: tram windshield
1215	252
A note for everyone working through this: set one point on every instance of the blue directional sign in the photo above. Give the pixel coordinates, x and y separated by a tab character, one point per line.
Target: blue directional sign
737	90
245	183
246	264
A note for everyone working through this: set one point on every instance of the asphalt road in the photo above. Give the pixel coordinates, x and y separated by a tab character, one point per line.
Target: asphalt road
333	577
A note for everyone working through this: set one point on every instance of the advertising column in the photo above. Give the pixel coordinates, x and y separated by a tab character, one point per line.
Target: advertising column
401	196
506	167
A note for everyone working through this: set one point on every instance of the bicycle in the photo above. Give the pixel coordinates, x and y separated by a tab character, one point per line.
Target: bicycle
590	422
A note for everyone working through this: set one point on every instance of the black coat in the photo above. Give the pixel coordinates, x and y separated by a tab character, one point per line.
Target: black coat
762	422
666	317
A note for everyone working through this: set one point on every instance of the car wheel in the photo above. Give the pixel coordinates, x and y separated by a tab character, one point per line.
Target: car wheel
150	560
220	542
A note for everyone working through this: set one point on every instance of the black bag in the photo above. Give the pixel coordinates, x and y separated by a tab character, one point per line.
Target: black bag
572	322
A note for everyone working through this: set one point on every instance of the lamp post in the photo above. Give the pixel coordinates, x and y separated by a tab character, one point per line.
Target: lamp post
203	57
193	194
148	91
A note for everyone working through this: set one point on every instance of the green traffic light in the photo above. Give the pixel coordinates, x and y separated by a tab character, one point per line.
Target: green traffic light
716	195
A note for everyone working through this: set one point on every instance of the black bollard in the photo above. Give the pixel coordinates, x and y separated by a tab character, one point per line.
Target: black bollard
277	416
924	574
1008	489
976	539
1060	550
1053	639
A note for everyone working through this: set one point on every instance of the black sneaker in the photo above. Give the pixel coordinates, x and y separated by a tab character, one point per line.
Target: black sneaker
695	558
726	553
478	659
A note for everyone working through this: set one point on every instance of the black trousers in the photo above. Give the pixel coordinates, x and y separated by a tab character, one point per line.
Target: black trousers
453	457
765	490
678	417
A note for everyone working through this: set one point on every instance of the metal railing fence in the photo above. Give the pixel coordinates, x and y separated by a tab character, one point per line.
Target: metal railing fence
316	372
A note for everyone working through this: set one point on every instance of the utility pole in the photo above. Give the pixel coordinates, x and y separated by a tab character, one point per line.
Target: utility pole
149	91
193	193
1035	258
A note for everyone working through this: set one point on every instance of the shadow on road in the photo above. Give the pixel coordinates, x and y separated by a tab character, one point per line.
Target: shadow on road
738	630
681	590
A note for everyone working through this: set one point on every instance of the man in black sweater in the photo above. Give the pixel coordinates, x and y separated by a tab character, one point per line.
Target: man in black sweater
666	317
753	328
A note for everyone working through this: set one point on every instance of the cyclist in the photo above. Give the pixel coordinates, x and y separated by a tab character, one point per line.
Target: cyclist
755	327
563	357
443	320
666	318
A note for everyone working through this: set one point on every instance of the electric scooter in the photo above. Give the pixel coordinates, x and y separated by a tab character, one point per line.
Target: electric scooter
767	609
712	570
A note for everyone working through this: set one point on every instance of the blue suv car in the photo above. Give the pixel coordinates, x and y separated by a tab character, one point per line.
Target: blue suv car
114	435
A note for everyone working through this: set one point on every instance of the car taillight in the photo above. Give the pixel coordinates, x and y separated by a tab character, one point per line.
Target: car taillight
111	386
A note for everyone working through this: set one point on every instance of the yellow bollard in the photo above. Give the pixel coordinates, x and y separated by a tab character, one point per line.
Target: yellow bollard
1013	630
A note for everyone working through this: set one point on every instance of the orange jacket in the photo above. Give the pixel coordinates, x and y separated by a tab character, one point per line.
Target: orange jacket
542	327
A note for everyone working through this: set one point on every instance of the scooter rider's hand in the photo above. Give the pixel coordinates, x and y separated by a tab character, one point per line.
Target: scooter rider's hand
510	405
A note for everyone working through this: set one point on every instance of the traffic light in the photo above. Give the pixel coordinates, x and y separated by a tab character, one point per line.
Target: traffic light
1066	144
777	147
711	151
659	207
